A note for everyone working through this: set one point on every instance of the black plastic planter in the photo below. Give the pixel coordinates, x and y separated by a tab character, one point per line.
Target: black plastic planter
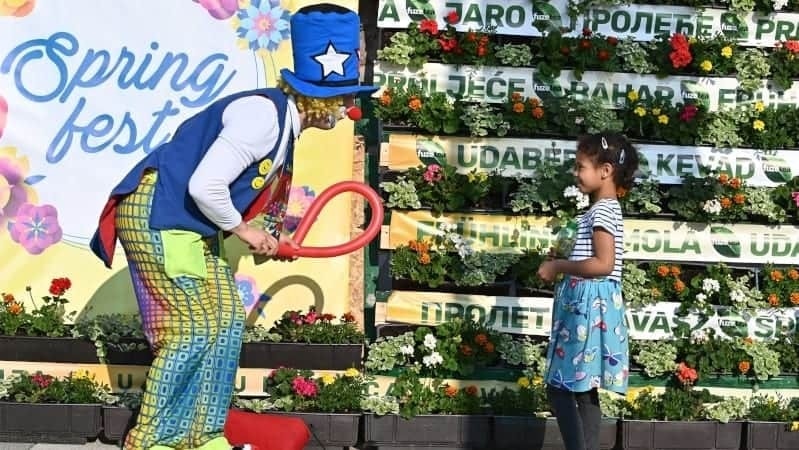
427	431
49	422
532	433
770	436
329	430
47	349
116	422
660	435
66	350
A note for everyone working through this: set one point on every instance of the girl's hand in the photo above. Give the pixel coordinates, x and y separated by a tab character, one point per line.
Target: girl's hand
548	270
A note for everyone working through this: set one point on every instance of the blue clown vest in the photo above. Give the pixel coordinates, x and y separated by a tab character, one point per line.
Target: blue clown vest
172	206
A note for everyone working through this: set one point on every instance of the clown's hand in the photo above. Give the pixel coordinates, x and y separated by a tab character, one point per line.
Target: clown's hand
287	240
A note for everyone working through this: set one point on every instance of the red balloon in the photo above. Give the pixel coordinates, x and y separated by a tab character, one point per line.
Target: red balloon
316	207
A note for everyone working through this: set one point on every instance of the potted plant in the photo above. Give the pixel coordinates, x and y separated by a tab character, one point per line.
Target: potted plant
308	340
329	404
448	259
117	338
772	423
454	348
675	418
426	412
522	418
37	331
41	408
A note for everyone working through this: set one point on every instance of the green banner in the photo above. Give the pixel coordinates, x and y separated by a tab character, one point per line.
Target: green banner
644	22
668	164
496	84
533	316
649	240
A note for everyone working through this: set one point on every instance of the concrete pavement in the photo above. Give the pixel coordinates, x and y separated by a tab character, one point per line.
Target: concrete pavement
96	445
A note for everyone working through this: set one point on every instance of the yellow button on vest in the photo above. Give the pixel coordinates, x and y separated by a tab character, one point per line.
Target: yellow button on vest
257	183
265	166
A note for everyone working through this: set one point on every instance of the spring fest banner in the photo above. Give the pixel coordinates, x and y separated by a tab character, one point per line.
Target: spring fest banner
89	87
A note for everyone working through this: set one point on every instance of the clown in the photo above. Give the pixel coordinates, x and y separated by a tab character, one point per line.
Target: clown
225	165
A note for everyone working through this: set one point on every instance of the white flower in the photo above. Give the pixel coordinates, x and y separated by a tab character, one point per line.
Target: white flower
580	199
737	296
406	349
445	227
710	285
701	298
583	201
779	4
712	207
430	341
699	336
432	359
572	192
464	250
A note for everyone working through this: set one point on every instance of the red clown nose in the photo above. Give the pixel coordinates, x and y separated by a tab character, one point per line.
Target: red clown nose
354	113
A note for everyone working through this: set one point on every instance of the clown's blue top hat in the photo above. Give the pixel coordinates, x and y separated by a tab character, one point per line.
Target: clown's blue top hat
325	41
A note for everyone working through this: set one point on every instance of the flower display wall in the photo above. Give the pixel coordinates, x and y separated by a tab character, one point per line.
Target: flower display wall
424	68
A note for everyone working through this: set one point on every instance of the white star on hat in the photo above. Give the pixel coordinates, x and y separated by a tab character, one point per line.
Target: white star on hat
332	61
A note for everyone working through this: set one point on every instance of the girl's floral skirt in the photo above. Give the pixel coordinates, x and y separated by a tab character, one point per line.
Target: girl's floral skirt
588	341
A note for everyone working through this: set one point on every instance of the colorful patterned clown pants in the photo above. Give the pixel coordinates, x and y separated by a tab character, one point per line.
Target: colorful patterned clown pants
195	329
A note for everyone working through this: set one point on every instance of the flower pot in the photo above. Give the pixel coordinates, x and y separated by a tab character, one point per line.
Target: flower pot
515	432
328	429
770	435
657	435
427	431
67	350
141	356
301	355
47	349
117	421
49	422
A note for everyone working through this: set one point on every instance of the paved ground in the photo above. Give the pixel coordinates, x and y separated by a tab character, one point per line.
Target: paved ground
90	446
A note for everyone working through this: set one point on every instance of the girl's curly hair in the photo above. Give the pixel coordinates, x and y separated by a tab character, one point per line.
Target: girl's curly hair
612	148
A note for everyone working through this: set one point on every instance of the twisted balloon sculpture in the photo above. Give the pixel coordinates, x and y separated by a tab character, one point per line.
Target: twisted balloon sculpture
316	207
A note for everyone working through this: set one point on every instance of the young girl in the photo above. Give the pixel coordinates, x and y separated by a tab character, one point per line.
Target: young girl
588	342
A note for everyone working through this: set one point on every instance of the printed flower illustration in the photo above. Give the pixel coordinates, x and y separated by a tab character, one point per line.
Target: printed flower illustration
261	24
14	190
219	9
3	114
35	228
248	291
18	8
300	199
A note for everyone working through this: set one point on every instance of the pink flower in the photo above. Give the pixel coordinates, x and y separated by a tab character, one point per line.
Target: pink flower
14	192
220	9
432	174
688	113
300	199
42	380
304	387
18	8
795	196
3	114
35	228
311	317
